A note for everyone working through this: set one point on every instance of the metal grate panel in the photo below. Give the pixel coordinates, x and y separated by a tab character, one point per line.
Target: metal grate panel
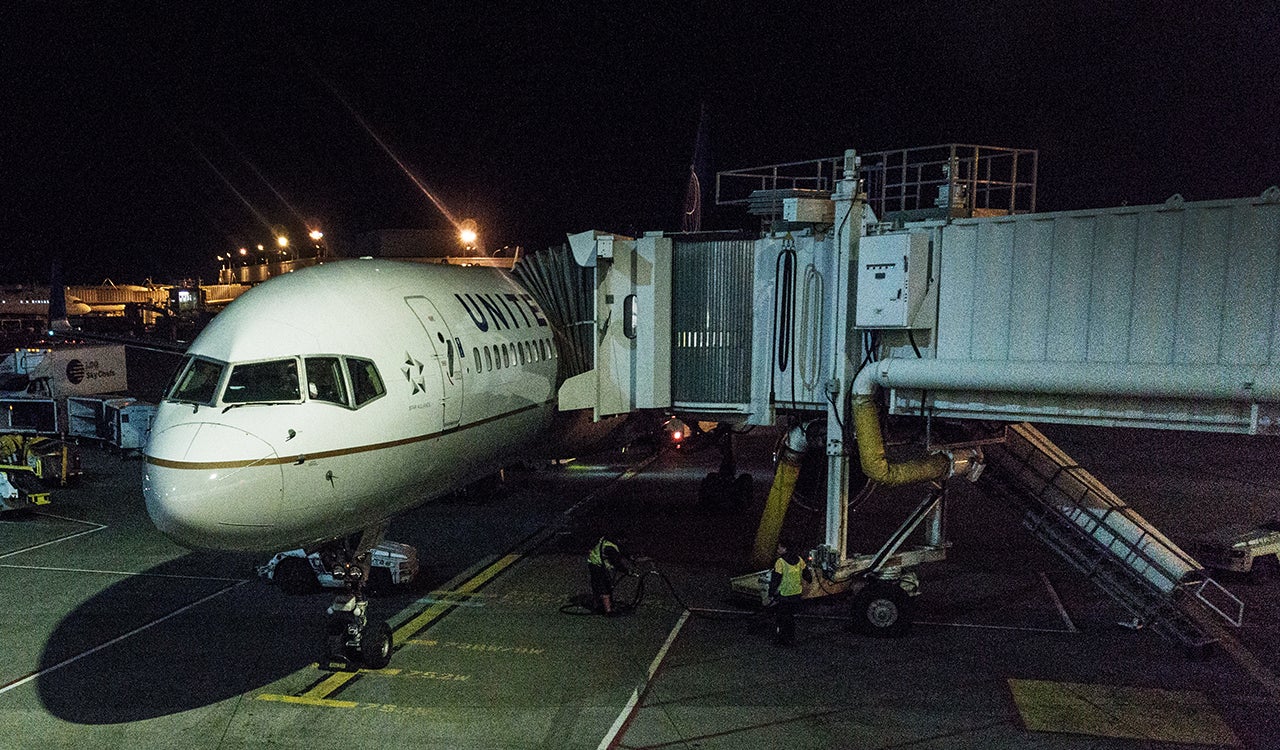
711	321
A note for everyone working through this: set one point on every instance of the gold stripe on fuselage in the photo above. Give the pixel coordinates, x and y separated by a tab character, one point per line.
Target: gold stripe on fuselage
291	459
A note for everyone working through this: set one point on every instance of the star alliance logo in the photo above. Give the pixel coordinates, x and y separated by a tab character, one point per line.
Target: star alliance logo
413	374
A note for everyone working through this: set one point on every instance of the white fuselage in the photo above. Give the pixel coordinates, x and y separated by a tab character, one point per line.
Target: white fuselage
327	400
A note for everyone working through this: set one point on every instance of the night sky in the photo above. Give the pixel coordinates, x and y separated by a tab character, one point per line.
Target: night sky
137	135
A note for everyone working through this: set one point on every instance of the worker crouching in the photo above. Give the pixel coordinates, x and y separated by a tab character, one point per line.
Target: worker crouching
605	562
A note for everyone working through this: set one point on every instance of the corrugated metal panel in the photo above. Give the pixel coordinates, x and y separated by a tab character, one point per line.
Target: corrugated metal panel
1194	283
711	321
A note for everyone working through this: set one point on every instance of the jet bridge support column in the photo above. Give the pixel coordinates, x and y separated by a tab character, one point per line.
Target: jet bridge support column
849	205
850	407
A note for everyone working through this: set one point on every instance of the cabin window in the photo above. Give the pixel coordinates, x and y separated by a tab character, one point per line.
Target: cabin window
506	356
198	383
521	352
488	359
324	380
366	384
475	357
263	382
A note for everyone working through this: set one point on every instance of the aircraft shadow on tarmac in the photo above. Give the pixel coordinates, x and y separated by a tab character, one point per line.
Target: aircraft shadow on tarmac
242	639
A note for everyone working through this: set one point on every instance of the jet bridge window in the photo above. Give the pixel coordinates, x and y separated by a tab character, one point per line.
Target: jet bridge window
273	381
324	380
366	384
448	345
198	383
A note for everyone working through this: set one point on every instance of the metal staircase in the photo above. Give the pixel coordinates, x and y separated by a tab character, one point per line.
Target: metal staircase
1076	516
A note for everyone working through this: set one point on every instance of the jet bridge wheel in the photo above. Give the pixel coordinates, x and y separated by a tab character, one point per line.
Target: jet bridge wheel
882	609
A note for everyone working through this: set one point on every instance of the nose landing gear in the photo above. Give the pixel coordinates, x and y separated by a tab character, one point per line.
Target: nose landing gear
350	638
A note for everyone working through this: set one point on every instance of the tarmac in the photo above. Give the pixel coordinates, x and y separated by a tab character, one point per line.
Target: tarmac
115	637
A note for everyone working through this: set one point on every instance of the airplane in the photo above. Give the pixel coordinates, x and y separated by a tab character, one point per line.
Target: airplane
322	403
33	302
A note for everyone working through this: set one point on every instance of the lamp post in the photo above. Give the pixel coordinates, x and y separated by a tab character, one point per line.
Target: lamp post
316	235
468	234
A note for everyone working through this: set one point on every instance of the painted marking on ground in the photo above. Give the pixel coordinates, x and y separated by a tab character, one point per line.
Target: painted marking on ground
28	678
96	527
329	685
1057	602
125	573
1242	656
307	701
628	711
485	648
318	694
385	708
1117	711
457	592
976	626
430	614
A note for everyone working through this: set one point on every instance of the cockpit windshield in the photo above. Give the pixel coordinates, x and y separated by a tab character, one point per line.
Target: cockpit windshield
198	382
263	382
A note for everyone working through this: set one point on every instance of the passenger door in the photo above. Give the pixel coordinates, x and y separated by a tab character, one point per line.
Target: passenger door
448	356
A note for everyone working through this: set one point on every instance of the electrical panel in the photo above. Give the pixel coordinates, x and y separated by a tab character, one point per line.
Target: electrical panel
809	210
893	277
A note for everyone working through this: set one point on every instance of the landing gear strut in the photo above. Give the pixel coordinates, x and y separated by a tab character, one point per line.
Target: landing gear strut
726	483
349	636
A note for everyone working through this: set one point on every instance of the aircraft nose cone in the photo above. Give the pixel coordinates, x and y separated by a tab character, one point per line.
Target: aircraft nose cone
213	486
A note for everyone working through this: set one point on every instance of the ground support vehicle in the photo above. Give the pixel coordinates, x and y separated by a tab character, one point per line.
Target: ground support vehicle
299	572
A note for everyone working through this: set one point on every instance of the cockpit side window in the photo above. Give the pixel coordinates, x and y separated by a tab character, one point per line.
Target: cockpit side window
366	384
324	380
198	382
273	381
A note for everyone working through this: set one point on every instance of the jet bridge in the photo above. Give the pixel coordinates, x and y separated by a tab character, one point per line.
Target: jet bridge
944	292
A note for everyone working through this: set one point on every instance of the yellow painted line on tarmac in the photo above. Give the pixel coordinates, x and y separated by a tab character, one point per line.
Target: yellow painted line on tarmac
307	701
328	685
457	596
424	619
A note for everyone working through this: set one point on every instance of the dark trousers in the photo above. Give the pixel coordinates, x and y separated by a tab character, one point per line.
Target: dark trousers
601	581
784	632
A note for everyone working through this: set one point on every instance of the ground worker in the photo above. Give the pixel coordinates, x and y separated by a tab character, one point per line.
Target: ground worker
604	560
785	588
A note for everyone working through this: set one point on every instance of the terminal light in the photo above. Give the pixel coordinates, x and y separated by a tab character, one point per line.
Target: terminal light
316	235
467	233
282	241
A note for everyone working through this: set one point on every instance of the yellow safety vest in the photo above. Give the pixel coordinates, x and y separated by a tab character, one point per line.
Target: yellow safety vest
790	584
597	556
